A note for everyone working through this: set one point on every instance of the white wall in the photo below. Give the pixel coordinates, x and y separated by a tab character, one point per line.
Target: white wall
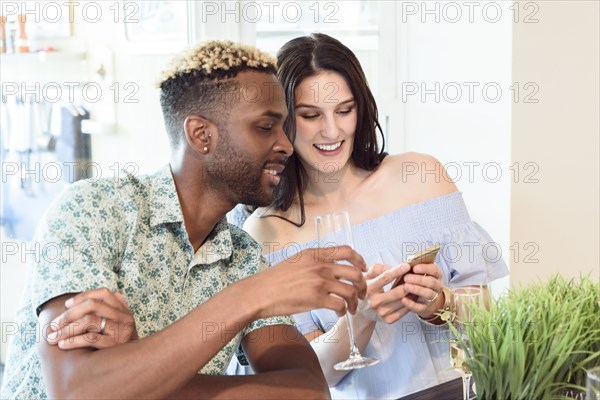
558	215
470	133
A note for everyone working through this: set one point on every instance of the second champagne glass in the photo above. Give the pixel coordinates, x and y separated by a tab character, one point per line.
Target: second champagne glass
335	230
463	299
593	384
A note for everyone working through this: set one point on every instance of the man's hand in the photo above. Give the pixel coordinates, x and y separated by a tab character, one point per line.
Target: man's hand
310	280
81	325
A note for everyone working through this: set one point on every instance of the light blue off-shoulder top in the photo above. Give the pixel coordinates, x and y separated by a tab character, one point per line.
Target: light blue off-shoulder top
413	355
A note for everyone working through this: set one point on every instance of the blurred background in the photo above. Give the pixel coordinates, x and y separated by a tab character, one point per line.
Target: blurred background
505	94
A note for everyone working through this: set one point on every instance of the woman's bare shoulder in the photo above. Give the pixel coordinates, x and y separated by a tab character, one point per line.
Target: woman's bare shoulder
260	224
408	159
272	229
420	174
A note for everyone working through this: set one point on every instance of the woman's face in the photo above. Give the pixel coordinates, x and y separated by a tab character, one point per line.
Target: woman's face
325	113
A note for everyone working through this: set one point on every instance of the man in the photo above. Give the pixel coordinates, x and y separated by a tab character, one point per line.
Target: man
194	284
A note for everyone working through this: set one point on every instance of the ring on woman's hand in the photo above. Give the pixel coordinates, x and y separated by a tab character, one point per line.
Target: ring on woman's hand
103	325
429	301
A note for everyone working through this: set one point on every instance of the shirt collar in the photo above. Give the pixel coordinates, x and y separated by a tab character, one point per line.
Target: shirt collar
165	207
217	246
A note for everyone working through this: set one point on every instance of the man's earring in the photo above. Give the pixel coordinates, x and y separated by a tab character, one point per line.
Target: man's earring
206	140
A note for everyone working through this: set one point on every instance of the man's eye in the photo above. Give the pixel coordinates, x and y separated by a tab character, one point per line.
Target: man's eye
265	128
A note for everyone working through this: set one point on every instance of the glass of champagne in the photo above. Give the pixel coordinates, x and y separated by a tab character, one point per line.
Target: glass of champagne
463	299
593	384
335	230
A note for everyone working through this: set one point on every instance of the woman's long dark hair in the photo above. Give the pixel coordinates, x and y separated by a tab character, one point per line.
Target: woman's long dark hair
306	56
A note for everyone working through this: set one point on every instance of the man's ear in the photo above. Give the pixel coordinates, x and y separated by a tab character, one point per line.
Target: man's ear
199	133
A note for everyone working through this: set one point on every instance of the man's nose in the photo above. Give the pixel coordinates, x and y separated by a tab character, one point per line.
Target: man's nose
283	144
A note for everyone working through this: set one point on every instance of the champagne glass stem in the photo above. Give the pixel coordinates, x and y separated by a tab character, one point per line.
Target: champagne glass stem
335	229
353	349
466	380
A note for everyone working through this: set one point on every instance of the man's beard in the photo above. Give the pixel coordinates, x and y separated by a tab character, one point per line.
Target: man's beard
239	176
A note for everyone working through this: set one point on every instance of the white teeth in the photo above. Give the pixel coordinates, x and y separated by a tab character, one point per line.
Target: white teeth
271	171
328	147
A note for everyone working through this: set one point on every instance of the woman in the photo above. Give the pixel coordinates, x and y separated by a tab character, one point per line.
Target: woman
338	165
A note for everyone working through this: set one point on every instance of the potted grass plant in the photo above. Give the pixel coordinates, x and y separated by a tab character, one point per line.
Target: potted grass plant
536	342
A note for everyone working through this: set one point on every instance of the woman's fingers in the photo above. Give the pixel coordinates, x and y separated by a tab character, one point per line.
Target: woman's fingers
414	306
389	306
395	315
377	284
427	282
398	301
426	293
376	270
428	269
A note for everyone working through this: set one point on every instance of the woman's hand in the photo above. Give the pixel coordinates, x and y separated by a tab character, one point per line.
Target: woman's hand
311	279
332	346
426	283
380	305
96	318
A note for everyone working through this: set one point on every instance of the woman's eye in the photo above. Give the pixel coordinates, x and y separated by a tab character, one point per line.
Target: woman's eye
311	116
344	112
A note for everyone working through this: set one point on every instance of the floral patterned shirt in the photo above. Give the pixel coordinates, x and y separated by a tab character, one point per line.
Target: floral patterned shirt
127	235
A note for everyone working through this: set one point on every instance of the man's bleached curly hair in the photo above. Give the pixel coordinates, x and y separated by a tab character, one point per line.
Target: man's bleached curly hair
199	82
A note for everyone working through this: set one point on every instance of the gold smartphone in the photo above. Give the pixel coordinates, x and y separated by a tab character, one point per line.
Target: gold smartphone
425	256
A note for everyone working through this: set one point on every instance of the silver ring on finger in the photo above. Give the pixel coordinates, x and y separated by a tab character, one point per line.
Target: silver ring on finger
429	301
103	325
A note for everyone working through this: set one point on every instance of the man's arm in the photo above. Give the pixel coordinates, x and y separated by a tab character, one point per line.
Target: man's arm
299	376
160	365
285	366
156	366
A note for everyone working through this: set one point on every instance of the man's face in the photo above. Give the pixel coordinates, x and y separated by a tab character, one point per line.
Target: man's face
252	148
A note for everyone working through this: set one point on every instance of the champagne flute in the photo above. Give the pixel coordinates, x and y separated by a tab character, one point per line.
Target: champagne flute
593	384
463	301
335	230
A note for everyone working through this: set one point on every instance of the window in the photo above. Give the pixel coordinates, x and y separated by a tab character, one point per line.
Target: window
354	23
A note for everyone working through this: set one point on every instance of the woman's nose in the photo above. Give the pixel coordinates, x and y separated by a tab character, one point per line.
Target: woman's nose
329	129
